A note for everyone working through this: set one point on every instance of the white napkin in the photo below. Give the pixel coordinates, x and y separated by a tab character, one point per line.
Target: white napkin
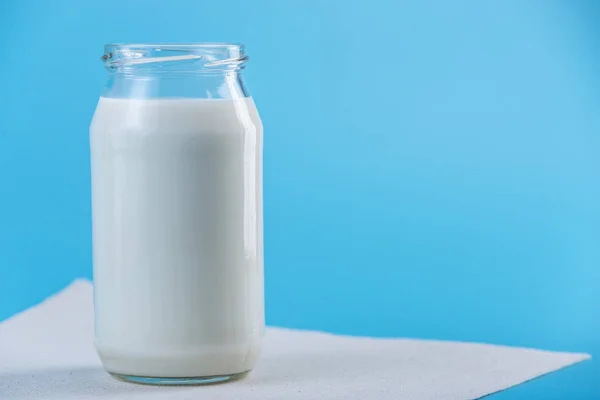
47	353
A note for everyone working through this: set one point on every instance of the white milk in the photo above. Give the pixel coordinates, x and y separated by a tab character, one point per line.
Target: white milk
178	237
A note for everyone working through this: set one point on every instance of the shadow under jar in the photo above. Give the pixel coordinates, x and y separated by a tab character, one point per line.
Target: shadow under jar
176	156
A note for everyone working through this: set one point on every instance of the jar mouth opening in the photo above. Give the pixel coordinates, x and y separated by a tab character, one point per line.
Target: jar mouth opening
205	55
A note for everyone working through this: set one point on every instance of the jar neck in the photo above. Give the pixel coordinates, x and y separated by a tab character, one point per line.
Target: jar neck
226	85
203	70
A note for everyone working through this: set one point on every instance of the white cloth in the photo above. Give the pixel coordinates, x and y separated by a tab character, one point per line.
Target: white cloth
47	353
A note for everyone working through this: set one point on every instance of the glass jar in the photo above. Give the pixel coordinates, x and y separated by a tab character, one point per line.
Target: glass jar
176	153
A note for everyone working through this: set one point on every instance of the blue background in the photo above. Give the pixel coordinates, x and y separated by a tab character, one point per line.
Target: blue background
432	168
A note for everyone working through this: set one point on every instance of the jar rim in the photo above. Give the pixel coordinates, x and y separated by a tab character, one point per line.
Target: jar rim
210	54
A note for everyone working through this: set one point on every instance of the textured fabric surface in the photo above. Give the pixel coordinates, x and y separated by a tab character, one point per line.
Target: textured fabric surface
47	353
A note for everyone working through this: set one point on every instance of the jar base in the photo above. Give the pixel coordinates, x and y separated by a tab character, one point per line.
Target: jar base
184	381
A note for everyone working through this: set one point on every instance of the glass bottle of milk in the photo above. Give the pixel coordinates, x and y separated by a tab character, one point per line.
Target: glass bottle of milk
176	153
